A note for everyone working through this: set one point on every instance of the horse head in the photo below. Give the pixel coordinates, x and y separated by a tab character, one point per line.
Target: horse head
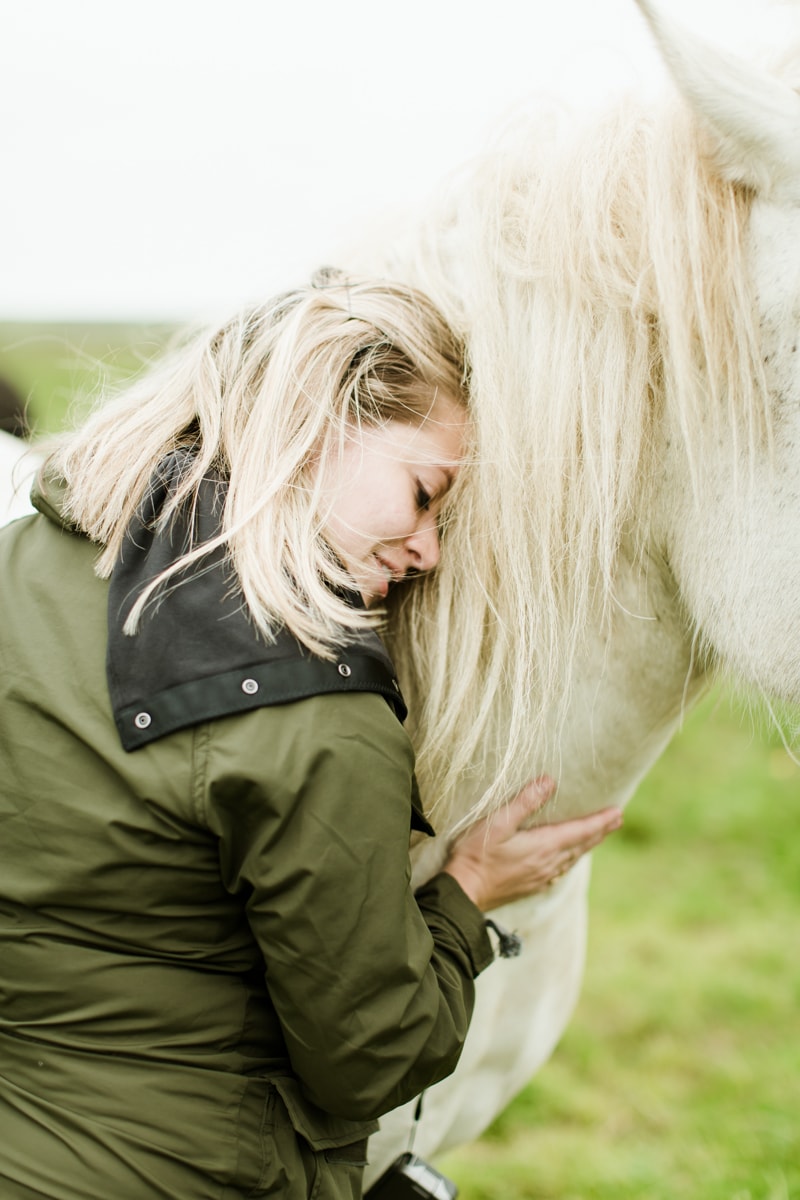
730	510
628	290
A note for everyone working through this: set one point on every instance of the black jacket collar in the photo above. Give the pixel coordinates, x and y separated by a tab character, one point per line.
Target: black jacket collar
197	655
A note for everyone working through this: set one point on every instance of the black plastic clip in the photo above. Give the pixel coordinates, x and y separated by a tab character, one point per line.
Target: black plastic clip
509	944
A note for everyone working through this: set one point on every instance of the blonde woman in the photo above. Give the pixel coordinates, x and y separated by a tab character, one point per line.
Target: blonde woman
213	973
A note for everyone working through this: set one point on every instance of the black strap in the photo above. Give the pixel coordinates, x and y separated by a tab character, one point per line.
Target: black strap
509	944
412	1133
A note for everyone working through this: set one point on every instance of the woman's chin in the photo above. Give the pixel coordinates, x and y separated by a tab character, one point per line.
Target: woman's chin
374	594
374	588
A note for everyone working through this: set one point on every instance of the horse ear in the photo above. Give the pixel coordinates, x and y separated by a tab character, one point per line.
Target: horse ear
753	118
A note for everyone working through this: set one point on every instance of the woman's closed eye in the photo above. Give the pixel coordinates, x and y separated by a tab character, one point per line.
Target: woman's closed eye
424	498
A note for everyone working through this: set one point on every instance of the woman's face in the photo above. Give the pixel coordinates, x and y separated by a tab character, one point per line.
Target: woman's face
384	494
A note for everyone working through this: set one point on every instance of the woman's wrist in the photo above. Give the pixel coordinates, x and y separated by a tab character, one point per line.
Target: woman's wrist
470	880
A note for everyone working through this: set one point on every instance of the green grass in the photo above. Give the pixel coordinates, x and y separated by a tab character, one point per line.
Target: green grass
679	1075
58	370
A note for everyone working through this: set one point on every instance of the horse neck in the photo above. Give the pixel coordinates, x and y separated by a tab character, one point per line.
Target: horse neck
582	329
631	687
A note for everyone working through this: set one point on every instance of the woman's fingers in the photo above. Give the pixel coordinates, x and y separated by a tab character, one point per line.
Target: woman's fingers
501	859
527	802
574	838
583	833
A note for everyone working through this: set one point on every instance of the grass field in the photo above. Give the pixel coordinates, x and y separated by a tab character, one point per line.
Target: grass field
679	1076
58	370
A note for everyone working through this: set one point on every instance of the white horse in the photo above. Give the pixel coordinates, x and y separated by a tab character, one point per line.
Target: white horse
15	472
630	294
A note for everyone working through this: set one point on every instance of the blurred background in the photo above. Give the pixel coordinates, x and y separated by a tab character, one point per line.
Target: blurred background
172	159
168	161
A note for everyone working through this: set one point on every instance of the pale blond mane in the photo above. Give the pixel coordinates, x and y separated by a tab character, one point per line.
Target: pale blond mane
597	274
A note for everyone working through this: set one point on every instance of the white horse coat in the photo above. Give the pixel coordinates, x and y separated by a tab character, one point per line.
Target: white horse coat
15	478
706	572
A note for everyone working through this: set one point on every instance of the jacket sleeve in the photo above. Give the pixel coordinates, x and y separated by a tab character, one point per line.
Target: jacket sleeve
373	986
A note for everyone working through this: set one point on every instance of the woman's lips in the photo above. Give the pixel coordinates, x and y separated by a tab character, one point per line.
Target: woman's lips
389	576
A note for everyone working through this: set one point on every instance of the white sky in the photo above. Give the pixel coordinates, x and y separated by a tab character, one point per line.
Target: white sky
175	158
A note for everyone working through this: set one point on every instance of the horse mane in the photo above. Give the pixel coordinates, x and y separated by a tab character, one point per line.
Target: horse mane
597	274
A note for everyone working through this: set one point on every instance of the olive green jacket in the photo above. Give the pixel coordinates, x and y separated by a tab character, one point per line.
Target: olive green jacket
213	973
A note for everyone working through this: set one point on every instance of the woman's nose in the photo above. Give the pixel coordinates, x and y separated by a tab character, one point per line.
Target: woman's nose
423	546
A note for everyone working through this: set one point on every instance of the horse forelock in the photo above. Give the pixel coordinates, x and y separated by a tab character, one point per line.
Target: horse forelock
599	276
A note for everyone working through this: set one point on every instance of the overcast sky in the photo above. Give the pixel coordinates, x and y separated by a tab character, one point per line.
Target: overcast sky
176	158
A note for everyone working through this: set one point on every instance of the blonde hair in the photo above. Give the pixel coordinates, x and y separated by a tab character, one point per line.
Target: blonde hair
262	402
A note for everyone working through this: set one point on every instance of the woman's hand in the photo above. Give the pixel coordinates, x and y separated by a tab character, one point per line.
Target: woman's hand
497	861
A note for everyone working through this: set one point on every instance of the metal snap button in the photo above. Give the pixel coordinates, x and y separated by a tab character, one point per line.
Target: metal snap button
344	670
142	720
250	686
